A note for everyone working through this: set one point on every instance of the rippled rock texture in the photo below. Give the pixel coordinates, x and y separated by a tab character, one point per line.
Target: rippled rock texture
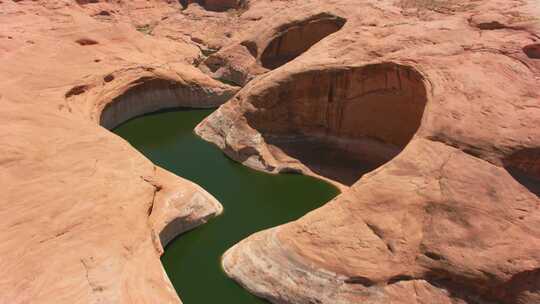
425	114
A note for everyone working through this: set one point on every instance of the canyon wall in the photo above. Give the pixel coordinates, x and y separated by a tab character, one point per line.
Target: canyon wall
294	39
147	95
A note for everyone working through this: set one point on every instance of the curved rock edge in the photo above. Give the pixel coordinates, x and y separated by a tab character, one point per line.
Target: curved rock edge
178	205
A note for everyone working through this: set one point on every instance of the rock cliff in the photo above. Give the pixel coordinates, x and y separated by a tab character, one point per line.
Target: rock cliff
84	215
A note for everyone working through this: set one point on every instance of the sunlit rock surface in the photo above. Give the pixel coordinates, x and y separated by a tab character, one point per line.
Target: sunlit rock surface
426	115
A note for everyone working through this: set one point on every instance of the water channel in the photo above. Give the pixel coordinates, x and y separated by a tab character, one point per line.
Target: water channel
252	201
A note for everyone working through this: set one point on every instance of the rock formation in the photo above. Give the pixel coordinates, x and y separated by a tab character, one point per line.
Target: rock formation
440	98
84	215
425	114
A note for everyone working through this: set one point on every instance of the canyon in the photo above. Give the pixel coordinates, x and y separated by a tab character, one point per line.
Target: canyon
252	200
424	114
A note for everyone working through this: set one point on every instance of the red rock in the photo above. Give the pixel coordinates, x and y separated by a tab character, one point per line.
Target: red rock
439	99
452	218
84	215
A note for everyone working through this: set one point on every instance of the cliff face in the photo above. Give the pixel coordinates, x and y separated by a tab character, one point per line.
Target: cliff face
425	113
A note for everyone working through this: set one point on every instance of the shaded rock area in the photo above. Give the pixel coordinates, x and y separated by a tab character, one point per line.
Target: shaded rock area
424	113
149	94
365	115
84	215
294	39
524	165
216	5
284	37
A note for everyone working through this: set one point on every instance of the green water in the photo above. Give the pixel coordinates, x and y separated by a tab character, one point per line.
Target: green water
252	200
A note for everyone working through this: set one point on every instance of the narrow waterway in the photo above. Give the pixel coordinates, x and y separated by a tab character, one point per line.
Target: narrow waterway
252	200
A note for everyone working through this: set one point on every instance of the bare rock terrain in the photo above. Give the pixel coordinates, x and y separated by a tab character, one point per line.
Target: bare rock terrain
426	114
84	215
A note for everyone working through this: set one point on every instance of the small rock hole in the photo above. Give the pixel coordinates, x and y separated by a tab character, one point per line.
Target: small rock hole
524	166
251	46
78	90
399	278
108	78
433	256
86	41
532	51
360	280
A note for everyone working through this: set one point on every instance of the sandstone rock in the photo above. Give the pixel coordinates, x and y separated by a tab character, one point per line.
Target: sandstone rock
439	98
452	217
84	215
420	219
272	43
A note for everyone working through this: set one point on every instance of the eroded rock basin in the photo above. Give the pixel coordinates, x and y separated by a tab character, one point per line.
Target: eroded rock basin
253	201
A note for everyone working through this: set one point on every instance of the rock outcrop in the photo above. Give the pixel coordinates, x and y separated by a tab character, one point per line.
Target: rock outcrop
358	114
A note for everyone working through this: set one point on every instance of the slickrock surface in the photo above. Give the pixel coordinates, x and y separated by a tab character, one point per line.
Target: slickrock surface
440	98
